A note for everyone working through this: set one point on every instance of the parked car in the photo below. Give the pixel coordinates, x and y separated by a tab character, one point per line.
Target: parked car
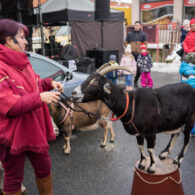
48	68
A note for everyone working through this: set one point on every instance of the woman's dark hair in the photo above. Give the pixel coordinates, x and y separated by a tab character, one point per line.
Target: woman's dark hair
9	28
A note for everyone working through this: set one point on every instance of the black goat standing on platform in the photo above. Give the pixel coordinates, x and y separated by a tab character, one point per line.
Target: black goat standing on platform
150	111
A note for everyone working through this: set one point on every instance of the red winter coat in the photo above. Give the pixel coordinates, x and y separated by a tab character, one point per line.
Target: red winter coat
189	42
25	121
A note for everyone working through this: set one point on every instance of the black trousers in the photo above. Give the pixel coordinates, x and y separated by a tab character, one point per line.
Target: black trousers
135	55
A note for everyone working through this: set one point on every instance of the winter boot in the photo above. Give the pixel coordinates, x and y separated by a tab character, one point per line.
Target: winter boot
17	193
45	186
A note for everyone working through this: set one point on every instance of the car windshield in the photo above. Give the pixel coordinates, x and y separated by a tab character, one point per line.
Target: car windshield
44	68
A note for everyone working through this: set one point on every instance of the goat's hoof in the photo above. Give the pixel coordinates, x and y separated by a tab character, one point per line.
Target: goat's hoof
141	167
103	145
176	162
162	157
66	153
112	140
149	171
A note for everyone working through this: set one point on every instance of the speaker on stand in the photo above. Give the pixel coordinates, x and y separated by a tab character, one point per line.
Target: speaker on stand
102	12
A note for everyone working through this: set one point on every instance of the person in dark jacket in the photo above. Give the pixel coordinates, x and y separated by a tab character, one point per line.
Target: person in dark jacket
135	38
25	126
144	62
184	30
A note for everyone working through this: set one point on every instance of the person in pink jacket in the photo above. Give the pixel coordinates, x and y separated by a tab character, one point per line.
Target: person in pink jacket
129	62
25	126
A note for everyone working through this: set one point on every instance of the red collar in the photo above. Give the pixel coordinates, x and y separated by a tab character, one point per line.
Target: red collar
132	114
126	108
132	117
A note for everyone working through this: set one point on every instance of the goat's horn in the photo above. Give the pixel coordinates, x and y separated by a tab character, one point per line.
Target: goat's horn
102	67
112	68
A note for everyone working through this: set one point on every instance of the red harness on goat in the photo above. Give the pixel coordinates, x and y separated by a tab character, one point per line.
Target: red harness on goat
68	112
132	114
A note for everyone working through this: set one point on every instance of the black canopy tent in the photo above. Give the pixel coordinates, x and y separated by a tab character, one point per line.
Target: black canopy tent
86	32
61	11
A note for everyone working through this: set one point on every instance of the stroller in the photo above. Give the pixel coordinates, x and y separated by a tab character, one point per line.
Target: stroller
187	71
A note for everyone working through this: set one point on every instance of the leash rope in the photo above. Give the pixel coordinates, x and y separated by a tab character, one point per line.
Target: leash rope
81	109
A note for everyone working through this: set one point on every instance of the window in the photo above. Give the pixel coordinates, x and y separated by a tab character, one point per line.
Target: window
189	12
160	12
150	1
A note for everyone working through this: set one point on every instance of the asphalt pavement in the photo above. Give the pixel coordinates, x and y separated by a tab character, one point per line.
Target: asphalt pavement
92	170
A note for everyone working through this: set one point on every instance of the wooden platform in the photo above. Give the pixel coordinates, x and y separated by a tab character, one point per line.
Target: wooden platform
166	180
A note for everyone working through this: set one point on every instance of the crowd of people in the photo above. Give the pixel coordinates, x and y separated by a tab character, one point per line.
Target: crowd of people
187	68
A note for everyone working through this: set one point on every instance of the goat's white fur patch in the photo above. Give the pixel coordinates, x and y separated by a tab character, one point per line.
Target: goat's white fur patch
173	142
141	148
107	88
144	162
153	167
174	131
79	94
180	161
164	154
55	128
151	150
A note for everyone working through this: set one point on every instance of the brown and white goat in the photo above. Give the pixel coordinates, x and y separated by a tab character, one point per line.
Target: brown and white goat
145	111
69	120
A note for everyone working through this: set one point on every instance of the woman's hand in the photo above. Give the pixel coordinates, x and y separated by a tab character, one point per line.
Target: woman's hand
57	86
50	97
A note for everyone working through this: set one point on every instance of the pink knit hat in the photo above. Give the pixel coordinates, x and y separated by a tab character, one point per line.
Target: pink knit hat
143	47
192	21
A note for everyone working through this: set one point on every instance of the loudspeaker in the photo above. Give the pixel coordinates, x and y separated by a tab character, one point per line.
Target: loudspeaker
102	56
85	64
102	9
68	52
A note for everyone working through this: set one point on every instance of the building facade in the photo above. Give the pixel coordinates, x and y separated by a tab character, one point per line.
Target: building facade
162	12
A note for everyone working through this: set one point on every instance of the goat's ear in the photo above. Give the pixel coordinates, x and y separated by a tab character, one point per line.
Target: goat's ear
107	88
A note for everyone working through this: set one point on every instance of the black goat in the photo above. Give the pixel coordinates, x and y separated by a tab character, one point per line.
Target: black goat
150	111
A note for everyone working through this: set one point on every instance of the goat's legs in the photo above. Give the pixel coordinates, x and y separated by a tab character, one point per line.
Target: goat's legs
187	138
67	136
143	160
106	128
112	134
169	147
151	138
107	125
66	147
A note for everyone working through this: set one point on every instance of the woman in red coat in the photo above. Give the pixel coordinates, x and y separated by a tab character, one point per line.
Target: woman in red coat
25	126
189	42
